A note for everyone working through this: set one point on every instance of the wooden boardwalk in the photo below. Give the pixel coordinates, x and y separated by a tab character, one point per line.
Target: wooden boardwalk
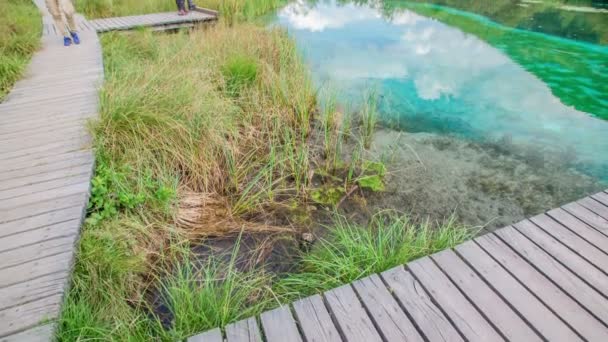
45	168
542	279
158	21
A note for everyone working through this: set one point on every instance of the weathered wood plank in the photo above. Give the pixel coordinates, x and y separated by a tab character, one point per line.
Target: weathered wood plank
279	326
36	268
352	320
42	287
588	217
583	248
415	300
245	330
214	335
601	197
16	202
315	321
39	221
38	208
47	172
532	309
484	298
16	193
28	315
565	278
54	231
462	313
573	261
555	298
579	227
393	324
29	253
595	206
42	333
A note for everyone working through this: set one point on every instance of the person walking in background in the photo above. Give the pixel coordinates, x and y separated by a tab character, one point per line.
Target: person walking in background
181	6
58	9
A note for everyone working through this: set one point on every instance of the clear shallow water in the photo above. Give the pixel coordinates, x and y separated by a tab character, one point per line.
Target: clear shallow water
446	71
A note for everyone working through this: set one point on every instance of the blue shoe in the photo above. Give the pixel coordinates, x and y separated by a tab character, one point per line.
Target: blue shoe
75	37
67	41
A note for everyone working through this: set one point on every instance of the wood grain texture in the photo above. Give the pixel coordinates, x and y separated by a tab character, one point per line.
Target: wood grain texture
582	247
518	296
587	216
279	326
416	301
456	306
559	274
245	330
552	296
45	169
393	324
214	335
601	197
563	254
579	227
485	298
350	316
595	206
315	321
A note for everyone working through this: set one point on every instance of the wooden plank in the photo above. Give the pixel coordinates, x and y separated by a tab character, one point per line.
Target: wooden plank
36	251
315	322
46	172
456	306
352	320
601	197
414	299
36	268
21	293
573	261
214	335
579	227
42	333
573	241
279	326
15	193
42	220
79	188
532	309
393	324
559	274
47	206
485	298
588	217
552	296
28	315
595	206
245	330
58	158
29	237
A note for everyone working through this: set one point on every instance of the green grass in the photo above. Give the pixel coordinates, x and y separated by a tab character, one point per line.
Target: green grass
20	29
214	295
351	252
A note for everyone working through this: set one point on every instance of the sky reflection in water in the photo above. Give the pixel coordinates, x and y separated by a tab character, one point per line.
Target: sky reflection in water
436	78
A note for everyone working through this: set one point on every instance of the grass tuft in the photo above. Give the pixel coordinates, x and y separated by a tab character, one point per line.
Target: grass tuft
351	252
20	30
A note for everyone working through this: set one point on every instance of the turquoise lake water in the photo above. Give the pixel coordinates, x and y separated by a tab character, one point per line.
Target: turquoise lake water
485	77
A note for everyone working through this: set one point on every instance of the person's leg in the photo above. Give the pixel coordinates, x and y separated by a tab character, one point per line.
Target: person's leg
53	7
180	6
68	10
191	5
